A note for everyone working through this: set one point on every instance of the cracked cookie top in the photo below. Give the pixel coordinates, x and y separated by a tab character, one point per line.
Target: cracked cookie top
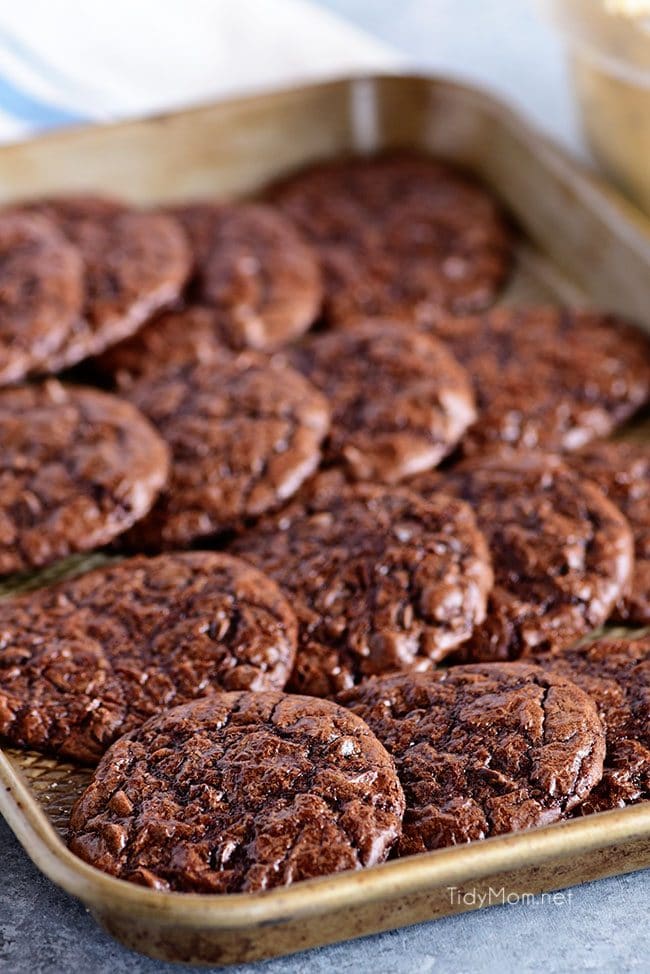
189	335
616	675
380	579
134	263
622	471
240	792
244	433
400	401
482	750
548	378
562	553
88	659
41	293
253	268
77	468
399	236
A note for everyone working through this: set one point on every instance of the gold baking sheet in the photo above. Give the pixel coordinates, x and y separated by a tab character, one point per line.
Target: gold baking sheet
580	243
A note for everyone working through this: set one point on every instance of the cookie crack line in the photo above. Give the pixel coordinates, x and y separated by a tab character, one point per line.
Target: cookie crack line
118	663
562	552
616	675
130	264
72	454
244	426
223	742
474	749
368	598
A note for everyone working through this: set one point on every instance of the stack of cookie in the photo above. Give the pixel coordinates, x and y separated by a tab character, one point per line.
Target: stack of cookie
359	524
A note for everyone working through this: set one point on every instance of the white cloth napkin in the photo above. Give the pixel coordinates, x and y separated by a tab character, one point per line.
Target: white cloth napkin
69	61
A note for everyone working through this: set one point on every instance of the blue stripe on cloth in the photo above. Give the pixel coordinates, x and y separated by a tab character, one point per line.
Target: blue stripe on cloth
39	113
48	72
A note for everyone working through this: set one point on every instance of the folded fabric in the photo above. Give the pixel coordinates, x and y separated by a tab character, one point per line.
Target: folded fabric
67	62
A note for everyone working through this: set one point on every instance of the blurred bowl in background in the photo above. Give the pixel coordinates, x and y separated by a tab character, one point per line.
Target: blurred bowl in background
609	49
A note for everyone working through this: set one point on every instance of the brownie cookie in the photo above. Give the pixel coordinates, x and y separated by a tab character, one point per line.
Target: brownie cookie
622	471
616	675
41	289
401	236
134	263
244	433
483	750
548	378
88	659
380	579
239	793
77	468
254	268
400	402
562	553
171	339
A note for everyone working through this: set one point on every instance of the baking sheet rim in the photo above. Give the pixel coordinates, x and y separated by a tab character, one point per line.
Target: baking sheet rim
446	867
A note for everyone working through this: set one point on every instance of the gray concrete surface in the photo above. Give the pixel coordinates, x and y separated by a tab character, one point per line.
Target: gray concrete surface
603	926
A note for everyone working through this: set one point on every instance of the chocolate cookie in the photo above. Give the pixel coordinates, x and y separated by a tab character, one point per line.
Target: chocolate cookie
622	471
239	793
562	553
171	339
380	579
93	657
616	675
253	267
134	264
400	236
400	401
40	293
244	433
77	468
548	378
483	750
